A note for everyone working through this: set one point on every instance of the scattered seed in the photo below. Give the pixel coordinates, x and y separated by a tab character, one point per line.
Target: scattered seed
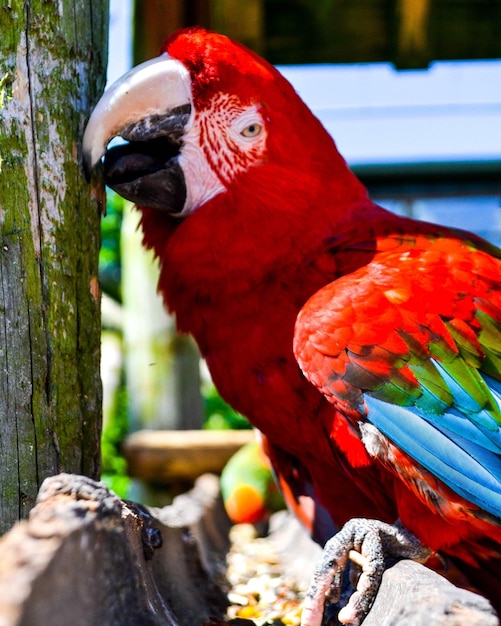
260	590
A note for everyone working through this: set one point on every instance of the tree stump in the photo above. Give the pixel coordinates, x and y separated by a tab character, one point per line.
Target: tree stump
85	557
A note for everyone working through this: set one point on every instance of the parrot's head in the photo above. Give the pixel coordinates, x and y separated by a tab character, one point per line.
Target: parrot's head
197	119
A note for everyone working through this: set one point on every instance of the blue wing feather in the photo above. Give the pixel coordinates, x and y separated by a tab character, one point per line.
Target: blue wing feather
471	470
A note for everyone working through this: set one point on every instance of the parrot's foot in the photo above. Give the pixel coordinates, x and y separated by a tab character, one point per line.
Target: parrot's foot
367	543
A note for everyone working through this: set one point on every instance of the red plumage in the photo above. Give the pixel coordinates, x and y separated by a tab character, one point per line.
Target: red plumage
392	312
239	270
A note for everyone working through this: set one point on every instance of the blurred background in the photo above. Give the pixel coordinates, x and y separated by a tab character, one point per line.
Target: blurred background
411	92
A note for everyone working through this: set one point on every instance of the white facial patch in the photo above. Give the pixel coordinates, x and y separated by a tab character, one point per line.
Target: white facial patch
224	140
202	183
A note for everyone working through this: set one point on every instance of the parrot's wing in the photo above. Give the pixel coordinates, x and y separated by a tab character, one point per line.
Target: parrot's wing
411	344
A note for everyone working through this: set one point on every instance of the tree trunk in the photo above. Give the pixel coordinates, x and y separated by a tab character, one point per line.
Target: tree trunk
52	70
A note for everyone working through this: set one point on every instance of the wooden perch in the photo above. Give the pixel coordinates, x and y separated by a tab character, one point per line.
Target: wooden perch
413	595
410	593
167	456
87	558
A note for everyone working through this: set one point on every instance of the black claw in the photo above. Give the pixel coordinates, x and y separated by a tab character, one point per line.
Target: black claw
374	540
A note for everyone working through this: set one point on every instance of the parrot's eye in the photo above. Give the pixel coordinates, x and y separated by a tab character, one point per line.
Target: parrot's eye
247	127
252	130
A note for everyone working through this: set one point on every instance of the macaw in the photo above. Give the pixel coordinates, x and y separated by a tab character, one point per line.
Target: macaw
250	493
365	346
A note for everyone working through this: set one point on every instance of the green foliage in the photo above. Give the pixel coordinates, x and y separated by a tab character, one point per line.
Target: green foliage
219	414
114	466
110	274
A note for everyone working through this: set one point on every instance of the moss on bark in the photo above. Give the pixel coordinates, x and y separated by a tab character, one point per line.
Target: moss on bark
52	70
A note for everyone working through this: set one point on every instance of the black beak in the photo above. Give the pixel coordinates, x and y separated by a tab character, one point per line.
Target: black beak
149	108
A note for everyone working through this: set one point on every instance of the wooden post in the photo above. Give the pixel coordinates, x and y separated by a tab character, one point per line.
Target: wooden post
52	70
243	21
154	20
412	46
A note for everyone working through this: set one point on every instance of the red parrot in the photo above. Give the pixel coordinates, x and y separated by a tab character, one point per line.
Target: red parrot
364	345
248	489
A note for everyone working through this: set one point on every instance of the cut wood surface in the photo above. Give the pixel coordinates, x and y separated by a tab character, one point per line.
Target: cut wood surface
166	456
87	558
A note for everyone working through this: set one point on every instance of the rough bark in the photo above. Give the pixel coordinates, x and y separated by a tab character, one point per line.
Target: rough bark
85	557
413	595
410	594
52	69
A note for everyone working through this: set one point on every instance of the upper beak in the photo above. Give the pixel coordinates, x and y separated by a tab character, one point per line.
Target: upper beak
149	107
